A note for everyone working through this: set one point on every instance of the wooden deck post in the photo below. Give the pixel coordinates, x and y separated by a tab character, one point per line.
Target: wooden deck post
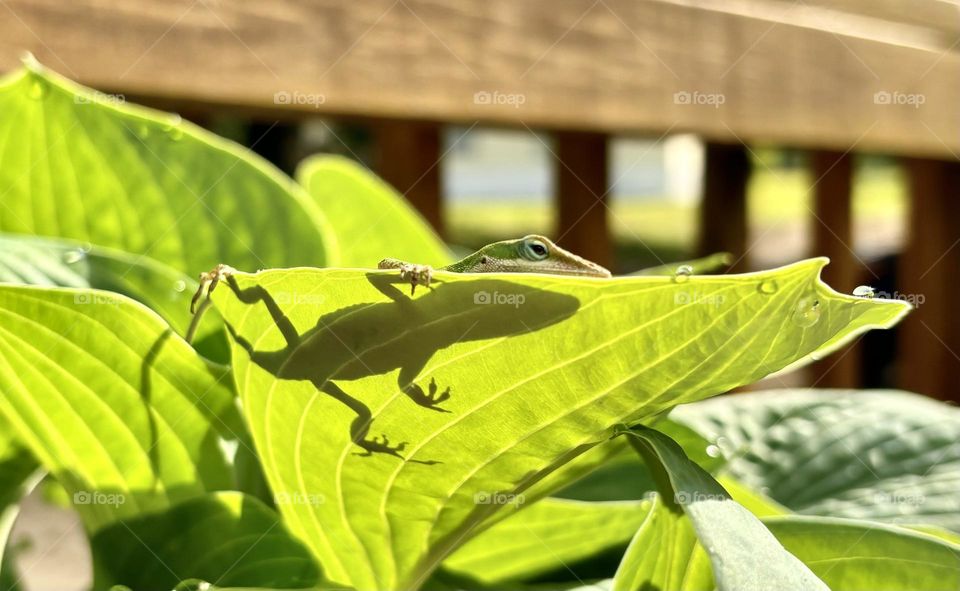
723	210
581	175
929	338
408	157
833	237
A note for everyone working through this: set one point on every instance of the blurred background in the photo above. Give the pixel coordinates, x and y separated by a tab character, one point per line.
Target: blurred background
634	132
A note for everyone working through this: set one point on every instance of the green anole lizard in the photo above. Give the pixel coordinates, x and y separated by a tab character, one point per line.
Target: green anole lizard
530	254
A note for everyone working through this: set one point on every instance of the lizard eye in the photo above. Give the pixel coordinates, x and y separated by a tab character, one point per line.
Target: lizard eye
534	250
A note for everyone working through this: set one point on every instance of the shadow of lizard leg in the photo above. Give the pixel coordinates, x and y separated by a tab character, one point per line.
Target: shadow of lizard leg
360	426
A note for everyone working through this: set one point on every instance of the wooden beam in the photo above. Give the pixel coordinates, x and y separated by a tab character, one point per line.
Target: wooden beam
833	238
581	173
723	209
618	66
408	156
929	338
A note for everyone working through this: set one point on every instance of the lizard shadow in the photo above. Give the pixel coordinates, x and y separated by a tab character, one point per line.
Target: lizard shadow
367	339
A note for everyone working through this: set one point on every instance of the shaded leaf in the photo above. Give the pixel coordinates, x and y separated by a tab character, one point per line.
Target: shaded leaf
664	554
743	554
551	535
28	260
225	538
881	455
125	414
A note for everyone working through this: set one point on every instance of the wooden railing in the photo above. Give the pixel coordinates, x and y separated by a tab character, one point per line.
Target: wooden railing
835	78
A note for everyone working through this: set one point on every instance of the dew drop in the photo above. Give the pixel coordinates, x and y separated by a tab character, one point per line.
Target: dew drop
864	291
38	88
143	131
73	256
713	451
807	312
682	273
769	286
173	129
86	247
180	286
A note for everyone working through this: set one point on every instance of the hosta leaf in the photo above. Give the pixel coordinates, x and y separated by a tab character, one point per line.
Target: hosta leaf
79	165
743	554
852	555
124	413
664	554
370	219
539	369
38	261
551	535
881	455
224	538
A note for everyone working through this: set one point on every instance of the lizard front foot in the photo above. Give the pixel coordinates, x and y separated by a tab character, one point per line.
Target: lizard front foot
208	282
431	400
415	274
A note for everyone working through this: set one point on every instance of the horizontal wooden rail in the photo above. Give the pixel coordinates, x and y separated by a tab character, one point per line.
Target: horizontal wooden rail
610	66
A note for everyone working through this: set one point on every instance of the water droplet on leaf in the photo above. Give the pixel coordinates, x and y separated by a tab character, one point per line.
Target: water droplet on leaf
807	312
864	291
769	286
38	88
713	451
682	273
180	286
172	128
74	256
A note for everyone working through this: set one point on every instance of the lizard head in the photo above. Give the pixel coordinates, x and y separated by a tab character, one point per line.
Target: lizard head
534	254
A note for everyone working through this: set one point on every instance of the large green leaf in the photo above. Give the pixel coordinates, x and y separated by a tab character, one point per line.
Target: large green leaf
84	166
552	535
223	538
744	555
124	413
882	455
539	369
45	262
852	555
370	219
